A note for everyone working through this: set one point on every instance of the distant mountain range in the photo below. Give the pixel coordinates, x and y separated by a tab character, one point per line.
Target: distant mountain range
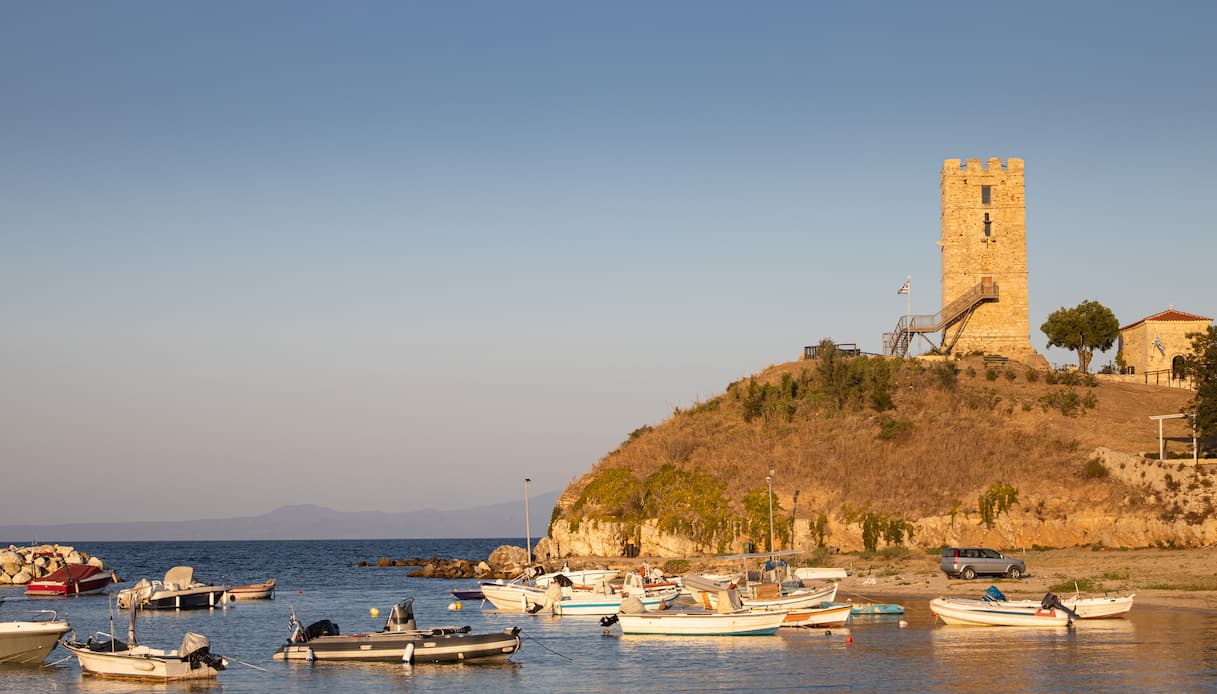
307	522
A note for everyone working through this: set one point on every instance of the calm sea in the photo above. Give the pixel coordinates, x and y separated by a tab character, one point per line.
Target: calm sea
1156	649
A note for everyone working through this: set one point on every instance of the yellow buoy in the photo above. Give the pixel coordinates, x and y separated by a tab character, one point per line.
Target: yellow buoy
374	612
456	606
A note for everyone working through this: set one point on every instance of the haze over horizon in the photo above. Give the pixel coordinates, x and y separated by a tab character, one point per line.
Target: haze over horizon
388	256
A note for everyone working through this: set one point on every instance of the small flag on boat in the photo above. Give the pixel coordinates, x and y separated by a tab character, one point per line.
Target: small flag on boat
904	288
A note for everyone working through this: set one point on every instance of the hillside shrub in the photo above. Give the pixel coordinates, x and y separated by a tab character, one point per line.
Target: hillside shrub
945	375
1066	400
891	428
999	499
1094	469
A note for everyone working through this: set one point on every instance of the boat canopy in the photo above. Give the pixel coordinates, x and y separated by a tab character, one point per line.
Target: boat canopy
179	577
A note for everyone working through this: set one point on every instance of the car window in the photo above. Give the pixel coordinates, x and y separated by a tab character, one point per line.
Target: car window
992	554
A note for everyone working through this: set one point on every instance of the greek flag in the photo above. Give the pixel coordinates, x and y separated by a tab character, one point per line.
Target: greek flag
1159	345
904	288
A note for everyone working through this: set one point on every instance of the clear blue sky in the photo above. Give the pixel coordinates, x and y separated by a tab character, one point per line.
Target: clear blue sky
397	255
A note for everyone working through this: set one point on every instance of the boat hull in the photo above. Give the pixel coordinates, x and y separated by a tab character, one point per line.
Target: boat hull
672	623
189	599
28	643
819	617
603	605
1087	608
512	597
392	647
139	663
791	601
57	585
253	591
960	613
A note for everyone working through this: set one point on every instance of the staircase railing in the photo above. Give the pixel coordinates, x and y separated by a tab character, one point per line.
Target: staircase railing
897	342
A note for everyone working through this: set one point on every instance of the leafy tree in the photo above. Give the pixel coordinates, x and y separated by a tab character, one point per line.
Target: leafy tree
1201	365
1083	329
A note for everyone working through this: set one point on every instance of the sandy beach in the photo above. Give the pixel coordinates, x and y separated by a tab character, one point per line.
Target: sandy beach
1175	578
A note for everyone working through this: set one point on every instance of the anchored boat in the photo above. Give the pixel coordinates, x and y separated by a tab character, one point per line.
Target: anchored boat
400	641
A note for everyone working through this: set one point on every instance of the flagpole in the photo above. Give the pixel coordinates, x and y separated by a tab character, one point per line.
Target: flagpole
908	309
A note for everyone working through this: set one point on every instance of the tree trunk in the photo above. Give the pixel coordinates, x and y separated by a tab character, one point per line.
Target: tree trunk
1084	359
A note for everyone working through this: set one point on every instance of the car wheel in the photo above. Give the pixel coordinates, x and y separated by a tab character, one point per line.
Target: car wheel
967	574
1014	572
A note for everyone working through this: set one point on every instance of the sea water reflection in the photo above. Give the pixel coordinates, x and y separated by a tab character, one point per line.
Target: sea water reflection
1155	649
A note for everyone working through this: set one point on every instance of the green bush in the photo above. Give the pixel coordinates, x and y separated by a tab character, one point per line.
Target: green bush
1066	400
999	499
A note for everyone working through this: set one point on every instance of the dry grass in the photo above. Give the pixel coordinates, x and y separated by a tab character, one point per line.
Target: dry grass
949	446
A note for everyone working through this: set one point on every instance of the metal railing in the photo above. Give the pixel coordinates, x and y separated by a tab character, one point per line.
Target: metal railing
897	341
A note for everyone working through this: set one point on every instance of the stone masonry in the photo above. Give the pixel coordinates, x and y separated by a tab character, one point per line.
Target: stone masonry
984	239
1159	343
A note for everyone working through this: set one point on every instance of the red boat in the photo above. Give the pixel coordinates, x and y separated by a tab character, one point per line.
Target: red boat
72	579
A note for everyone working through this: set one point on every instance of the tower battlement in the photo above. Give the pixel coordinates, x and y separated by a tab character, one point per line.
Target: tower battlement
993	165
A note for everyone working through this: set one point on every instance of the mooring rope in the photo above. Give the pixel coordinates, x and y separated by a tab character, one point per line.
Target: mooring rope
530	638
61	660
242	662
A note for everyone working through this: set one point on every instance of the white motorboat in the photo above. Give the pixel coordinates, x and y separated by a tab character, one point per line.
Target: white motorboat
103	655
1094	607
971	612
685	623
401	641
605	600
586	577
179	591
827	615
730	619
28	641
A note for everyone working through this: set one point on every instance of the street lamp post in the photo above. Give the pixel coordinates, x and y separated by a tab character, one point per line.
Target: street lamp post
769	481
527	526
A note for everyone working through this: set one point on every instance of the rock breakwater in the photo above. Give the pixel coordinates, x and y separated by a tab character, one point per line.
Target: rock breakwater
20	565
504	562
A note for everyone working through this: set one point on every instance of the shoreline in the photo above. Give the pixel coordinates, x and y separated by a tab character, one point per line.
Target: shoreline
1173	578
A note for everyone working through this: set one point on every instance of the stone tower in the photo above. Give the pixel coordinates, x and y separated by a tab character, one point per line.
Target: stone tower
984	245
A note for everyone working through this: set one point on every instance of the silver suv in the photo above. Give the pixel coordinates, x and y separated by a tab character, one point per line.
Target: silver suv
969	562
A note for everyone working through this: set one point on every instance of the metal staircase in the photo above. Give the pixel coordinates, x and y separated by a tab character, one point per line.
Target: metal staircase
950	321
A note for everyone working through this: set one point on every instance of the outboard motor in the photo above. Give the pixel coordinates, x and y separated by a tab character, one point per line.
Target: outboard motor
196	650
1052	602
401	617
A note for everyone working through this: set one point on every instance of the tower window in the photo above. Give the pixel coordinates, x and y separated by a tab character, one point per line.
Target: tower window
986	195
988	224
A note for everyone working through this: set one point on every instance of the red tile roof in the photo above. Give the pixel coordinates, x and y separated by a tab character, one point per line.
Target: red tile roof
1169	315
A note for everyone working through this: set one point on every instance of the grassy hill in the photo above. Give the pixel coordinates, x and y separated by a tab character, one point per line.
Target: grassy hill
896	441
